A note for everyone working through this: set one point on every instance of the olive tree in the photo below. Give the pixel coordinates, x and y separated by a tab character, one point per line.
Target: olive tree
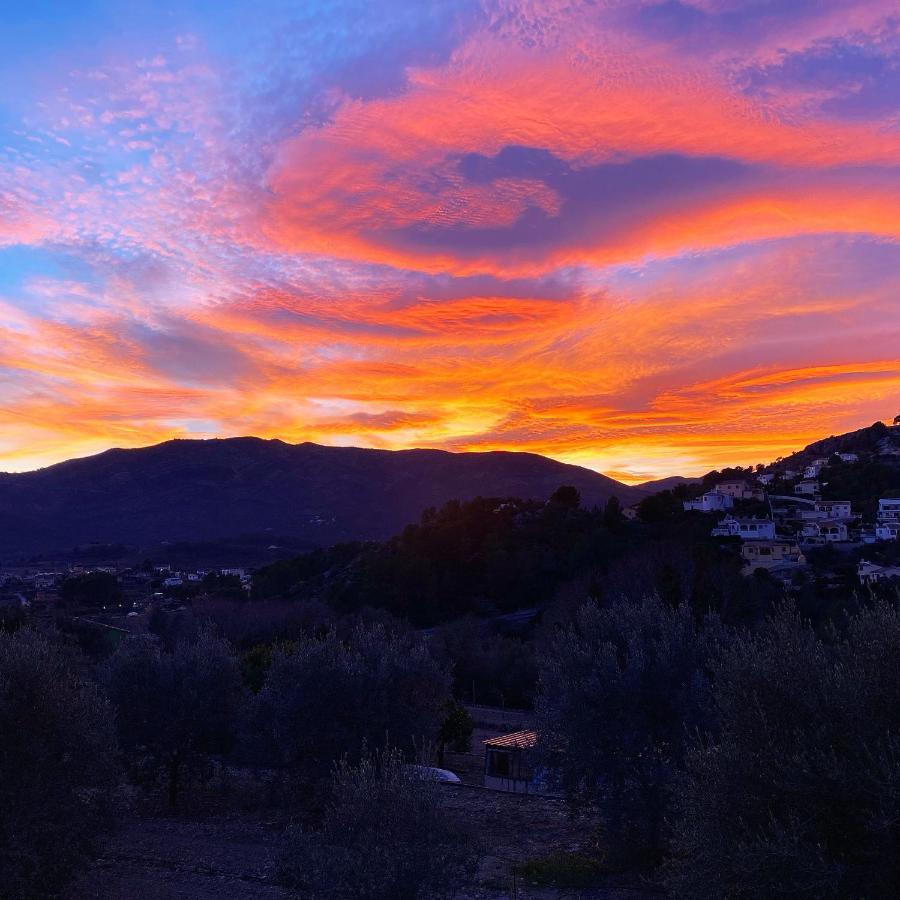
620	688
57	754
386	834
327	697
173	709
795	791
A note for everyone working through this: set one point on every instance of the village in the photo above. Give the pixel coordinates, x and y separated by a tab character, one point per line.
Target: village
779	514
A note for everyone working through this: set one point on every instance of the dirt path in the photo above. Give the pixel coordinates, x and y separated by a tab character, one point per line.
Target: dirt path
170	859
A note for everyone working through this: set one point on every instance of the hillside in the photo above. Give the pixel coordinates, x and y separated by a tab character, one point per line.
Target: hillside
216	489
878	439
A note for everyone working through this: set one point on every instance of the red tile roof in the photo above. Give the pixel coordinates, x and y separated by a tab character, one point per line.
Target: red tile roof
518	739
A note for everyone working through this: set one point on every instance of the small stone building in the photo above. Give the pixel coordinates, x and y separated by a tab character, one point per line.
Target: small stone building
509	763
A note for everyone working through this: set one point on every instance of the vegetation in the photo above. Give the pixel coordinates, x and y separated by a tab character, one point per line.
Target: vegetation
621	690
98	590
795	788
385	835
326	698
174	709
563	870
57	765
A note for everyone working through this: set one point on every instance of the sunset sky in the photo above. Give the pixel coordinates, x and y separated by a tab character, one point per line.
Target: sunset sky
646	237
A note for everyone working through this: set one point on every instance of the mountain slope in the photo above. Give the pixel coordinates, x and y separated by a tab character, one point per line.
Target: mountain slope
207	490
877	439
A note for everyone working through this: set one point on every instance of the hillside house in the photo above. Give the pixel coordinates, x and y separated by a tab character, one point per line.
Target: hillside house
765	478
509	763
806	487
827	531
771	555
828	509
745	529
849	457
889	509
835	509
711	501
887	531
740	489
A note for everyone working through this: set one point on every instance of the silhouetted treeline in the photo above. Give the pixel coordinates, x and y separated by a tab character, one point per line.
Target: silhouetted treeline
491	556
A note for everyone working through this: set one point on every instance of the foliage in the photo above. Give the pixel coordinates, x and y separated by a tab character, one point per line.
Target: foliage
286	575
660	507
486	556
385	835
795	791
488	668
619	690
57	767
562	870
93	589
456	729
329	697
862	483
173	709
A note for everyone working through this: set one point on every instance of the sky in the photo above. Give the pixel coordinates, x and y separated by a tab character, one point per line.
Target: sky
646	237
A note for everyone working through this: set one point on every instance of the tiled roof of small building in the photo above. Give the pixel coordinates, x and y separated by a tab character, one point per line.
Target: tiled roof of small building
518	739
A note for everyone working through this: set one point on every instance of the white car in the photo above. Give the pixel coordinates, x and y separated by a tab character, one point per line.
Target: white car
432	773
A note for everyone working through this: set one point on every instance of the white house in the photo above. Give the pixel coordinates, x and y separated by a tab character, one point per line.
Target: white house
807	487
711	501
889	509
812	471
765	478
888	531
869	573
828	509
828	531
849	457
745	529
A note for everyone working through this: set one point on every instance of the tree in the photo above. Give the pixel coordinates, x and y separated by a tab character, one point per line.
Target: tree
456	730
175	708
660	507
567	496
619	690
386	835
57	755
612	513
96	589
795	790
897	420
328	698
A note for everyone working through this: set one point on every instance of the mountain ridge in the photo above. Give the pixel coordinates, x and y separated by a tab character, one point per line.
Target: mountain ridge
220	487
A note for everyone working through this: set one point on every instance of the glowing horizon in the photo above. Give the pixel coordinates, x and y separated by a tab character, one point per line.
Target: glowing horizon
652	238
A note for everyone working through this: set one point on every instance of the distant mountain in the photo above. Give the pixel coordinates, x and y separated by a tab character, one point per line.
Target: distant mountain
664	484
186	490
